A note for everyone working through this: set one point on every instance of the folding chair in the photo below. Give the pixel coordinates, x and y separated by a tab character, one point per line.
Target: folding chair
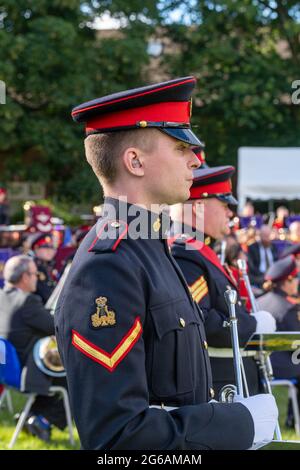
293	395
10	376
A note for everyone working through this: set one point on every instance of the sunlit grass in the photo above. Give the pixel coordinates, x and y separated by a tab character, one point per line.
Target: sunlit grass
59	439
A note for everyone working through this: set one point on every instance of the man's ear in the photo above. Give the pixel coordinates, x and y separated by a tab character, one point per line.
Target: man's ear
133	161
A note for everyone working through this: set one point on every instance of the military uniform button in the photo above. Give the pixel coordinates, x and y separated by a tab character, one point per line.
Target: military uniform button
211	393
182	322
115	224
205	345
239	303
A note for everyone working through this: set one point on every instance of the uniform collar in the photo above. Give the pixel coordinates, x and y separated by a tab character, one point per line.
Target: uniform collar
141	222
190	232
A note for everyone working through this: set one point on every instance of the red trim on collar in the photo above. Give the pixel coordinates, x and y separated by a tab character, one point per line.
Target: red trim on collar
121	235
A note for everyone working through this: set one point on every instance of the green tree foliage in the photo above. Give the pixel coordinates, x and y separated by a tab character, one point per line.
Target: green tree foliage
51	59
246	54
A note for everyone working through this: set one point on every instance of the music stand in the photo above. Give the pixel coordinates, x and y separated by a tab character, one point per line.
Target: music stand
265	344
278	341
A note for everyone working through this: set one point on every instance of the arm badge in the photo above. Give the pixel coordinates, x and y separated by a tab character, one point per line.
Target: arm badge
103	317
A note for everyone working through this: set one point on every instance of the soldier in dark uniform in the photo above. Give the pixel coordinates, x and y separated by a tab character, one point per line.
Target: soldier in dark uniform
130	335
23	321
283	302
208	279
44	253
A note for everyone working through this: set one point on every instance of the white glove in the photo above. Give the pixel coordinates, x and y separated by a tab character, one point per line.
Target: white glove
264	412
265	322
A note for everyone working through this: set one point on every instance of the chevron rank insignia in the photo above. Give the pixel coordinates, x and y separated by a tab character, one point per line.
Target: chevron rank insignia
108	360
199	289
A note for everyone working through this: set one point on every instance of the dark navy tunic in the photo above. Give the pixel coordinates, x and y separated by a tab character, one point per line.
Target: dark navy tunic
131	337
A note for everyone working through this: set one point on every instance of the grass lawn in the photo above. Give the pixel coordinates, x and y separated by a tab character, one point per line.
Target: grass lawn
60	440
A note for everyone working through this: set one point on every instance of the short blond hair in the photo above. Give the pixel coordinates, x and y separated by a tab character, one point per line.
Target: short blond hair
103	151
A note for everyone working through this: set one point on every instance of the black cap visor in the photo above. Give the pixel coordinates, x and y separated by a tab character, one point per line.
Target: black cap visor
185	135
228	198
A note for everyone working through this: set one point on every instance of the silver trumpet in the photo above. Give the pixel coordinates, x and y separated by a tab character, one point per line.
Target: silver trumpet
228	392
264	358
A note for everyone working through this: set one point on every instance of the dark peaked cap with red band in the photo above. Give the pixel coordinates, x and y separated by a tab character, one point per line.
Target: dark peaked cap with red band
213	182
283	269
165	106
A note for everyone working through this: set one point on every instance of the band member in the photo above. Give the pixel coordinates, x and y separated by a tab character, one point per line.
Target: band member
43	252
130	335
283	302
207	279
23	321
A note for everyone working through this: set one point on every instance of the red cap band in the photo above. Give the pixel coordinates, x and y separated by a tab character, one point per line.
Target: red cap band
217	188
169	112
42	242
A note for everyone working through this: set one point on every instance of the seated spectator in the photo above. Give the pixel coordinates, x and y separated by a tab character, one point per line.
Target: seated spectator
261	255
23	321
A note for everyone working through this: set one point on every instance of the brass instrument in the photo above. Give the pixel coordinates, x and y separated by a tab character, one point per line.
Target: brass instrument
228	392
47	358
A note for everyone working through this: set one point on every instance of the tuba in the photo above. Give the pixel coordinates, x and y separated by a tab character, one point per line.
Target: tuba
45	351
47	358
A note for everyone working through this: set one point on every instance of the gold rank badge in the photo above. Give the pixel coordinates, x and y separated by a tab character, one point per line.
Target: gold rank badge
103	316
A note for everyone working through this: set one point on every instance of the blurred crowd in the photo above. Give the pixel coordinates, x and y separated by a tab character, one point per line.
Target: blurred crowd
35	256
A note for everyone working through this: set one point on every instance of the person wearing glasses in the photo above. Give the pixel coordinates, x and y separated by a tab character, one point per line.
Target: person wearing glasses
23	321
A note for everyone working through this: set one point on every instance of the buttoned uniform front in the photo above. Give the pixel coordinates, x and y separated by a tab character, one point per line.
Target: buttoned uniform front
208	280
286	311
152	352
45	283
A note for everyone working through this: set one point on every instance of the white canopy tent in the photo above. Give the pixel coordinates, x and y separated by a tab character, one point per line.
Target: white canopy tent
268	173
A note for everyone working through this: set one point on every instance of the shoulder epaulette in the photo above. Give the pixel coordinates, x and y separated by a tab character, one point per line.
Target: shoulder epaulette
181	239
109	235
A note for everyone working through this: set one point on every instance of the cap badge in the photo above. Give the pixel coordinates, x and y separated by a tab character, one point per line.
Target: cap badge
103	317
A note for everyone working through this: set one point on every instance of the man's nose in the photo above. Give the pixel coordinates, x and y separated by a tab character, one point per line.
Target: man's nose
195	162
